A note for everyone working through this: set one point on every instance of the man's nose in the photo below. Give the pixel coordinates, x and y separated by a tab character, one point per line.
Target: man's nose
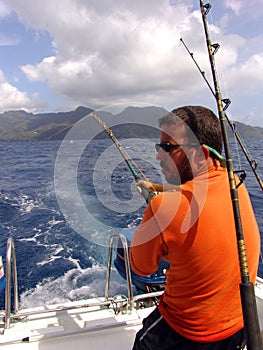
160	154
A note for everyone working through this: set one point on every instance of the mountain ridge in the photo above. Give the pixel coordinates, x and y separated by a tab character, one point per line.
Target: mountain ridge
20	125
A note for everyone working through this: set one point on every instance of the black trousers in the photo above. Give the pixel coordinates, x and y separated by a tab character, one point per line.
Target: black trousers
156	334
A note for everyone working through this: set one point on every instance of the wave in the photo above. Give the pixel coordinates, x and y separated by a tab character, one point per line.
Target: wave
56	263
75	284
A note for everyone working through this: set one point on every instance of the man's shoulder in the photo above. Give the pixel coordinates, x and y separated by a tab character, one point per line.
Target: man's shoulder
167	197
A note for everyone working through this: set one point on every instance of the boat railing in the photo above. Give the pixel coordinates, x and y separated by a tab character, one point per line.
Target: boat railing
121	239
11	272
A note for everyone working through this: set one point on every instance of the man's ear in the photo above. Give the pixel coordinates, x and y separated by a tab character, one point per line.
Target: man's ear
200	155
206	151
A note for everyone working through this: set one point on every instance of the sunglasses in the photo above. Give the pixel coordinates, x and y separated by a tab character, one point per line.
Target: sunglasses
167	147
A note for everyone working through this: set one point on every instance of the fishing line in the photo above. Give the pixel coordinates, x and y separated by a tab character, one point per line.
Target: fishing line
132	165
65	128
220	70
226	102
129	161
238	154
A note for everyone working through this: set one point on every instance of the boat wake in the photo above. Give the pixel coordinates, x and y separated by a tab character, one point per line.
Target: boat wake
75	284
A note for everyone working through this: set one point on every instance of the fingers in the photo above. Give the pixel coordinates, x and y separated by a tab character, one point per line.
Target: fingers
139	190
144	184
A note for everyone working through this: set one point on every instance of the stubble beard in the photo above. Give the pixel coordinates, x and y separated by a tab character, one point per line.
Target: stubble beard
181	175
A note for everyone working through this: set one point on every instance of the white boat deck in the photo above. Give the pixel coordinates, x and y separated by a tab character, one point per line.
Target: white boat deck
91	324
94	324
83	326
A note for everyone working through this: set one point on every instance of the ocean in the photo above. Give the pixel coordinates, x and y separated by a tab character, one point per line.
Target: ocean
62	202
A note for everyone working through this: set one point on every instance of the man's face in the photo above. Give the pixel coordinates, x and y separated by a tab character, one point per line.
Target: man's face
175	164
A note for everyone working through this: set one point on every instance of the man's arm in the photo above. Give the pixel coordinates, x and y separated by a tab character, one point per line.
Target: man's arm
154	187
147	245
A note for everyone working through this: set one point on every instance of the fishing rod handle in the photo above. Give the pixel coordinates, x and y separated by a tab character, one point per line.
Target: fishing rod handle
147	195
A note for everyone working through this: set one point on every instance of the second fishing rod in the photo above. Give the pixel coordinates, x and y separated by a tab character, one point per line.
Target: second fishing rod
226	101
247	294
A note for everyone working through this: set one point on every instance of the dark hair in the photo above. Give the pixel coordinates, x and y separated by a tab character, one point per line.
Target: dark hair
202	122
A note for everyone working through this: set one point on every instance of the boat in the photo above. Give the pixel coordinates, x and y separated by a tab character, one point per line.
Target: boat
103	322
96	323
106	322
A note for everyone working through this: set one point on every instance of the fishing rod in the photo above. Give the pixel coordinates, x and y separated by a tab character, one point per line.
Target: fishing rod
129	161
226	101
247	293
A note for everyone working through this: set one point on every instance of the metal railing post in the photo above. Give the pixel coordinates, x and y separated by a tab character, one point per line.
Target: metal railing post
10	271
127	267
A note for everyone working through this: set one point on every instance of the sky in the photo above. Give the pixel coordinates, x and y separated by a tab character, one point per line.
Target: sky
58	55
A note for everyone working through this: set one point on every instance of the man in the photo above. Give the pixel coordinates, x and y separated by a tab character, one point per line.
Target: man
191	225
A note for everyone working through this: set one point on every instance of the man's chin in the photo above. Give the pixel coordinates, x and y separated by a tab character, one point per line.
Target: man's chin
173	180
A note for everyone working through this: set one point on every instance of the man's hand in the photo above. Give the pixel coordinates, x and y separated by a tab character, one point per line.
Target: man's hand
149	186
154	187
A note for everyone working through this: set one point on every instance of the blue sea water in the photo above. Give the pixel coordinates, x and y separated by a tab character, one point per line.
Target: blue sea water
61	204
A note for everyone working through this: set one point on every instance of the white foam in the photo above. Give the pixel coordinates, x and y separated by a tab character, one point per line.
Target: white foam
75	284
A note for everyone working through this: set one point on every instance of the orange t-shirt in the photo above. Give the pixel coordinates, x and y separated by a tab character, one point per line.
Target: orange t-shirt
193	228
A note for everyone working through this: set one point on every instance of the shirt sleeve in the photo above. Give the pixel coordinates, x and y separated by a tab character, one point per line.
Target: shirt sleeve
147	246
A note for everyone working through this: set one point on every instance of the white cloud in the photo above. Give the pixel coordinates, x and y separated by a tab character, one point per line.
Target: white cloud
121	50
112	50
7	40
249	75
12	98
4	10
41	71
252	10
235	5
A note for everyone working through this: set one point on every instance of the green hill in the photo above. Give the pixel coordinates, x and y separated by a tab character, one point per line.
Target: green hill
23	126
